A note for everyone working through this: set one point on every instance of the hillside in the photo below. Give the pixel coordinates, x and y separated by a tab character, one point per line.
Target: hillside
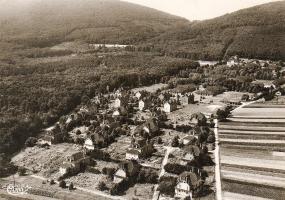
39	23
256	32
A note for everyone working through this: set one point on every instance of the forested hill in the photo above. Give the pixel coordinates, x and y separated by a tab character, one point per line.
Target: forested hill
40	23
256	32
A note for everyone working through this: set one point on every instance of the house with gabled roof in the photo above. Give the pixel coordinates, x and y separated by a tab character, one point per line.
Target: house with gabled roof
187	99
189	139
169	106
126	169
95	139
188	183
148	129
121	101
74	163
133	154
144	104
51	137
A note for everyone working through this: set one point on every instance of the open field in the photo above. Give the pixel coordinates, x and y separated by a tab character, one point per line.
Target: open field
259	113
152	88
248	142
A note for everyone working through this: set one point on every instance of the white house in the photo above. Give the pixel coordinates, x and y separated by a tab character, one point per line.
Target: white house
138	95
143	104
116	113
89	144
132	154
233	61
189	139
117	103
169	106
65	168
119	175
183	190
188	183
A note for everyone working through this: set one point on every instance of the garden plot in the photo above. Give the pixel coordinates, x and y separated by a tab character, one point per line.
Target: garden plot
231	95
140	192
169	134
87	180
183	115
117	150
45	160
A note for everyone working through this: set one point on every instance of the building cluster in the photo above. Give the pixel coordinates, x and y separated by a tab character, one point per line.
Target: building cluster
106	117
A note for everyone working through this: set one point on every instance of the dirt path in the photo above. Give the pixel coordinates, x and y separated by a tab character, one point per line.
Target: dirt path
164	162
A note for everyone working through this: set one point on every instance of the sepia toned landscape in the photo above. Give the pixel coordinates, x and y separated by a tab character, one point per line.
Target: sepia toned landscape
106	99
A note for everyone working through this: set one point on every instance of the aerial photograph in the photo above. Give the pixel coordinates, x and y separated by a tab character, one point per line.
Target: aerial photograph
142	99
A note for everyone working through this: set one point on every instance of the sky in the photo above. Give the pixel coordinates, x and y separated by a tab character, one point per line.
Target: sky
199	9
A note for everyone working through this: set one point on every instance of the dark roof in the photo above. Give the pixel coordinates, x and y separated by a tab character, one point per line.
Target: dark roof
131	167
193	149
192	178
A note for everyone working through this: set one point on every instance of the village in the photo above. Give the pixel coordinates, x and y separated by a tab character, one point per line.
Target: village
152	142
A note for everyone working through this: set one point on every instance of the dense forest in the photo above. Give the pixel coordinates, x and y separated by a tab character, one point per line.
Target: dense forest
256	32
